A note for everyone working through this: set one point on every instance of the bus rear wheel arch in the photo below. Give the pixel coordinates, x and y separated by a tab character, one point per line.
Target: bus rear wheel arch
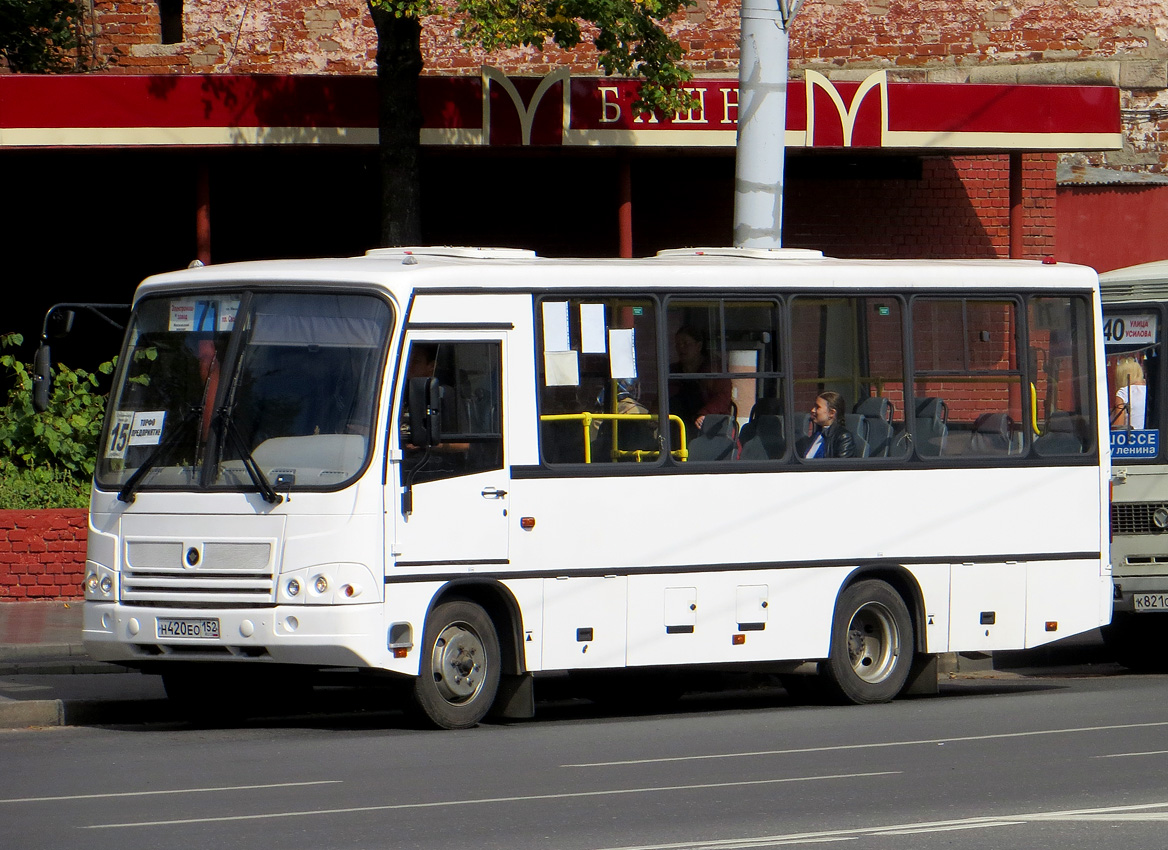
872	644
460	666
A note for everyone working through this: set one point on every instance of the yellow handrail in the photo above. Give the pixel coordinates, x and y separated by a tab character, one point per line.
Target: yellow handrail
586	419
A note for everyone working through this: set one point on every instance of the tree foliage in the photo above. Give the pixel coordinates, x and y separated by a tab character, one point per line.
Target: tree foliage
52	452
43	36
628	35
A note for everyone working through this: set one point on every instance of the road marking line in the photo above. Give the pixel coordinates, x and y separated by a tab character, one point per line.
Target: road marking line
1111	813
953	827
488	800
874	746
1126	755
173	791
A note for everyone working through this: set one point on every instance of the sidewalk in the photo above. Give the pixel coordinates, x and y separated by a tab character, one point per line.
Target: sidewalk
46	679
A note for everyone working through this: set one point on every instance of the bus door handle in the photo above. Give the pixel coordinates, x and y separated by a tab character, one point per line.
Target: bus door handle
494	493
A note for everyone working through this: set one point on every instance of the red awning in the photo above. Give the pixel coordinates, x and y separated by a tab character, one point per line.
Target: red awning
85	111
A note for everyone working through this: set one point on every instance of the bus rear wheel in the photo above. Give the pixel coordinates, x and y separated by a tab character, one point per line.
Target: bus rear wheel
871	644
460	666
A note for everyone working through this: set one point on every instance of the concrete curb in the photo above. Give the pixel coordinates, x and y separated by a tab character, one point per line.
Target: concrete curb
11	652
23	714
29	714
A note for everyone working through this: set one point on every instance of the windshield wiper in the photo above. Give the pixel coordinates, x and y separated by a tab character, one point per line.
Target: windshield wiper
161	452
267	491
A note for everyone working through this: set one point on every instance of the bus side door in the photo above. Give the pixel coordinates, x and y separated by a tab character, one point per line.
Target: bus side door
453	498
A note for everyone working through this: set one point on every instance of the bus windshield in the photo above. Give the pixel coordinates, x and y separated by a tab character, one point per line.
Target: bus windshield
1132	339
235	390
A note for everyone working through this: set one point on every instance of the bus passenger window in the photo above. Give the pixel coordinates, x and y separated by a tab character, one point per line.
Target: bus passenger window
968	379
599	401
1060	374
849	352
725	381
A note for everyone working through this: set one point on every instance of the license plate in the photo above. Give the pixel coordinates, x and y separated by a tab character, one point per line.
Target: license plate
188	628
1151	601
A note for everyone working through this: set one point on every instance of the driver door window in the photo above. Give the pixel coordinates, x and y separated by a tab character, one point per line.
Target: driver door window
471	440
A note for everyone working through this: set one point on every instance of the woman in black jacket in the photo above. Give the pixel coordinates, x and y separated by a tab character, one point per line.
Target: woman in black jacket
830	438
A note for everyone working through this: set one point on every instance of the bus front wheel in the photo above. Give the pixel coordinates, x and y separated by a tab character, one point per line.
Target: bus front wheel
871	644
460	666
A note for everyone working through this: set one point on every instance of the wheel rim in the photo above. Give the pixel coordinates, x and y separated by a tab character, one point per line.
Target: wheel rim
873	643
459	663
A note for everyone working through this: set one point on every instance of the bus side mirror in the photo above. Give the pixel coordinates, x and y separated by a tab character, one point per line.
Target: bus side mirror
59	323
424	404
42	378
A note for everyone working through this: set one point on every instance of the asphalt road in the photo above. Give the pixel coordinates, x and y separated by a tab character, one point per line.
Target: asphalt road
999	761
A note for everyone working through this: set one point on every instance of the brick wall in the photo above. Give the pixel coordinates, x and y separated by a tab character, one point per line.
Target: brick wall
42	554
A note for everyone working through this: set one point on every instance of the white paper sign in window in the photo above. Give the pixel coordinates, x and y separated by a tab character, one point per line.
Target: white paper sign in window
555	326
622	353
592	329
561	369
146	428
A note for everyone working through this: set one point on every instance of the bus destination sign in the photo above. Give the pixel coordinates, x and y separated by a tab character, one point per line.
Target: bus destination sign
1135	443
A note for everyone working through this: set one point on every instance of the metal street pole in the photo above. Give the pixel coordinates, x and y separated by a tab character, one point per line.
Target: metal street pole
762	122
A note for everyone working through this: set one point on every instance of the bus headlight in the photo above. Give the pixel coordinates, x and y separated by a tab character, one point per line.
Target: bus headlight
100	584
329	584
1160	518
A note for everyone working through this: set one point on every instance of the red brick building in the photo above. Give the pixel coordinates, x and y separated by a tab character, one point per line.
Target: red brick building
967	128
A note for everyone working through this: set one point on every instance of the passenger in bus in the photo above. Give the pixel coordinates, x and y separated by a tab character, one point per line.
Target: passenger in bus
693	399
1128	412
830	438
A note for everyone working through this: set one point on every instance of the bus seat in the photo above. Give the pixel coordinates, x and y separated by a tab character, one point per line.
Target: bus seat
768	406
764	440
877	413
857	426
932	425
991	434
715	442
1060	437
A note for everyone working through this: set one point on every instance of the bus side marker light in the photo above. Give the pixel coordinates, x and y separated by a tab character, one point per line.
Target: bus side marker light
1052	625
401	652
738	640
527	523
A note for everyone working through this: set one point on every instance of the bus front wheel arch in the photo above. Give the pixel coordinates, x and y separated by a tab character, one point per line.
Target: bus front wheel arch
460	667
872	644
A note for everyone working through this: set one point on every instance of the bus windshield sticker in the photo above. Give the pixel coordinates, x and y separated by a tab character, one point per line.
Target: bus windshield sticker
146	428
555	326
1129	331
592	329
190	315
623	353
119	436
562	368
1129	444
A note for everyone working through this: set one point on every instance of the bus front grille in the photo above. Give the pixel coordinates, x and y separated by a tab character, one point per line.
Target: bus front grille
1135	517
223	573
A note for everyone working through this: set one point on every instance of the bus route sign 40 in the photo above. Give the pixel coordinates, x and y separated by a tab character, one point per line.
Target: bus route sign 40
1143	443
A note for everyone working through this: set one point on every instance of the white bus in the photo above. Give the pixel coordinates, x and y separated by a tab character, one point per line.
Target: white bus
1134	303
463	468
